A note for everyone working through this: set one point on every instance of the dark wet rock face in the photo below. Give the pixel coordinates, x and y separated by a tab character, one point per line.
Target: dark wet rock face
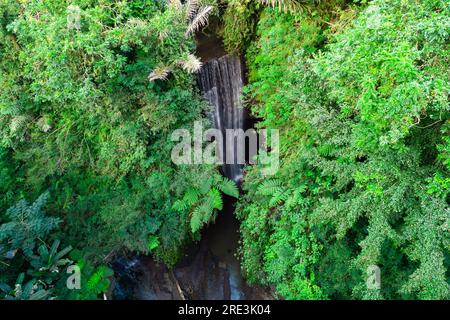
209	271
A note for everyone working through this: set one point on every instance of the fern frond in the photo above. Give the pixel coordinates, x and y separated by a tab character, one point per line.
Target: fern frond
9	110
203	213
216	199
28	223
269	187
296	198
191	196
179	206
208	206
278	198
228	187
206	185
325	150
196	220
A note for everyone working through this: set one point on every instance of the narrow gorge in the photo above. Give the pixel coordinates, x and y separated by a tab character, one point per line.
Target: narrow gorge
210	268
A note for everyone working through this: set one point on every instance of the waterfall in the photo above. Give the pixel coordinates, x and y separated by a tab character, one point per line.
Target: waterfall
221	81
210	269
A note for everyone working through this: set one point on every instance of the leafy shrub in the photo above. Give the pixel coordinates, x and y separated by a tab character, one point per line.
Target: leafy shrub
364	126
86	123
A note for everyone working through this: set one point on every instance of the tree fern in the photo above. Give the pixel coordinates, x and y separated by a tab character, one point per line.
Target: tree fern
28	223
195	18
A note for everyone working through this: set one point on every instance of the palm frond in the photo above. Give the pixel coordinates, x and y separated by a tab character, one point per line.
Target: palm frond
191	8
192	64
160	73
200	20
288	5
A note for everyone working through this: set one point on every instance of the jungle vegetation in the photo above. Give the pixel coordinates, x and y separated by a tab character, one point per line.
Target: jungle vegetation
91	90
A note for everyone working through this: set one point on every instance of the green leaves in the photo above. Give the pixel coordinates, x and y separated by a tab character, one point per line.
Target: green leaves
153	242
189	199
79	117
98	282
28	291
228	187
27	224
203	202
363	179
275	192
203	212
50	261
270	187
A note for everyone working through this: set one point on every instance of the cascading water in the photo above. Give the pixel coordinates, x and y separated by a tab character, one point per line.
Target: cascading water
210	269
221	81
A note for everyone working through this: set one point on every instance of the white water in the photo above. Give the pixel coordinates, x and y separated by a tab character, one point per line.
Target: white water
221	81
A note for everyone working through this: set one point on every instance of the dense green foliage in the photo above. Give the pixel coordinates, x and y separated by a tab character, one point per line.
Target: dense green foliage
240	20
91	91
90	96
361	100
26	225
